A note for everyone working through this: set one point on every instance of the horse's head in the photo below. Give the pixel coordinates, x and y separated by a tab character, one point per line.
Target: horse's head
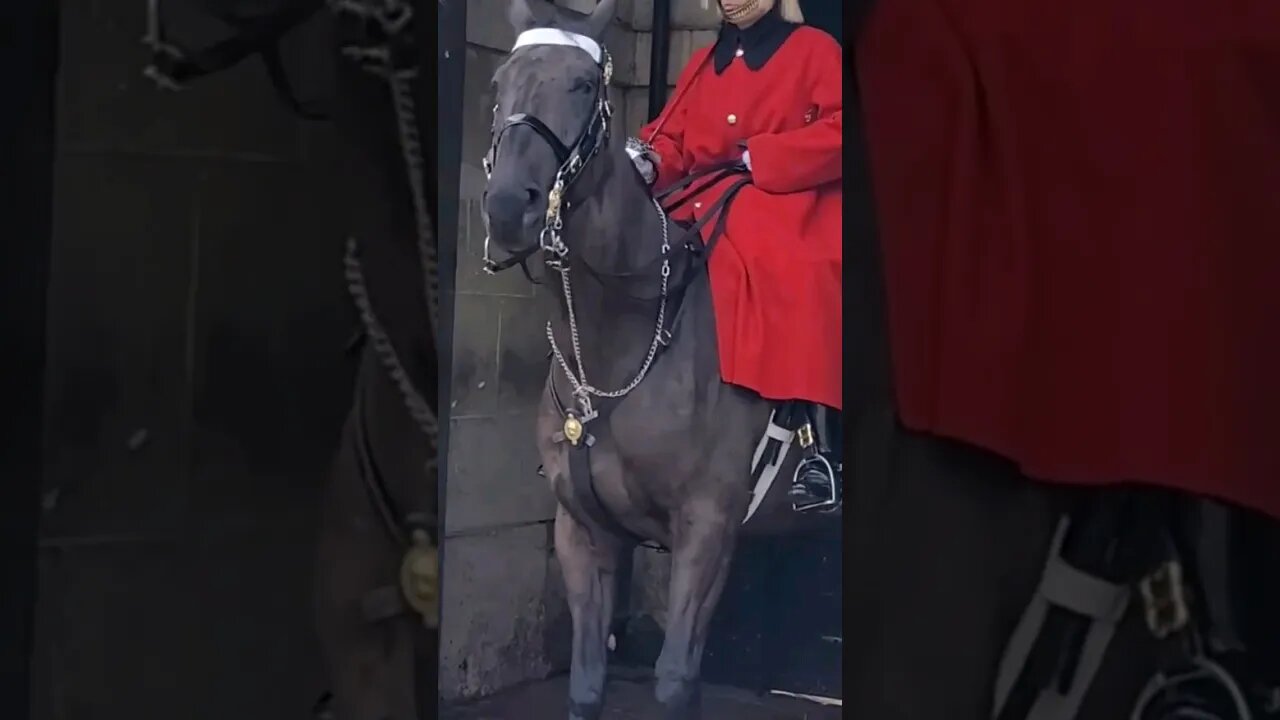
551	116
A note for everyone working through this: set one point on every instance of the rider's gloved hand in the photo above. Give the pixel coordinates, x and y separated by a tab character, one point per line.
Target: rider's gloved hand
643	157
746	159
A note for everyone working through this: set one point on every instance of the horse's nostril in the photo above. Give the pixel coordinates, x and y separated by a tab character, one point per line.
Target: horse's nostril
532	195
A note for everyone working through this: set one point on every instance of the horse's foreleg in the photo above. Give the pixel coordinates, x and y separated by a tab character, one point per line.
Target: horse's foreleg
703	548
590	576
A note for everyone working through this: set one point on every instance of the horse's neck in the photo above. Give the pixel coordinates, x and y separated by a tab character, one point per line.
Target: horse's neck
617	231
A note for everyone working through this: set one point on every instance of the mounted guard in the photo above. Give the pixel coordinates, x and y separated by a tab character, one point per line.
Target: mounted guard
699	289
767	94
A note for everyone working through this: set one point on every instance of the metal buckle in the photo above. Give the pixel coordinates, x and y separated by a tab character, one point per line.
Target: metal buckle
573	429
1164	600
804	434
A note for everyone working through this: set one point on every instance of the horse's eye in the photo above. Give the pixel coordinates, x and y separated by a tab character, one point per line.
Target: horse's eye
581	85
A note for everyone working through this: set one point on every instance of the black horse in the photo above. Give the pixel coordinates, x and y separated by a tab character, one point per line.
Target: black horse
655	447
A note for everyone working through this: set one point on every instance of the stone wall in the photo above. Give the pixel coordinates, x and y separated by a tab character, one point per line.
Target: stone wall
504	615
196	384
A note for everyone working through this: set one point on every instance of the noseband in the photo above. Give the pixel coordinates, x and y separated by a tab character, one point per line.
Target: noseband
572	158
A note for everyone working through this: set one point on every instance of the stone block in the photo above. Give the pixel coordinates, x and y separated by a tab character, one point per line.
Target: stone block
683	44
695	14
118	298
637	110
640	16
641	54
272	319
470	275
627	10
471	182
488	27
475	356
478	101
685	15
493	476
522	352
193	629
249	598
111	631
502	614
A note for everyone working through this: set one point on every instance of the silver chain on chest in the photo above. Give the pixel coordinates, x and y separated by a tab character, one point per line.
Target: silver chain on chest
583	390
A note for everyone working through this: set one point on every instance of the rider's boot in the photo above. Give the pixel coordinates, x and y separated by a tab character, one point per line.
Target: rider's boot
817	481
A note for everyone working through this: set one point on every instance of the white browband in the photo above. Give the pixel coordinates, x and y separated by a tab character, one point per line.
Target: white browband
552	36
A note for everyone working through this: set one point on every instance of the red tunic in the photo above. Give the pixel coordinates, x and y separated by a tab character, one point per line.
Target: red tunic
1079	204
775	275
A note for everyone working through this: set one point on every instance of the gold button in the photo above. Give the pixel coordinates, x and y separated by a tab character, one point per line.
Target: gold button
738	52
697	206
733	119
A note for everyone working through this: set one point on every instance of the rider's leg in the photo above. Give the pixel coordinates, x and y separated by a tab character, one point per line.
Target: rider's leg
818	475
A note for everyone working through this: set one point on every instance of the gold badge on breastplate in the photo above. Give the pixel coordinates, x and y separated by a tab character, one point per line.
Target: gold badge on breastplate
572	430
420	578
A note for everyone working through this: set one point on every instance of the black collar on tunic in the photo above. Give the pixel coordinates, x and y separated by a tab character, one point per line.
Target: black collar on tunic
758	42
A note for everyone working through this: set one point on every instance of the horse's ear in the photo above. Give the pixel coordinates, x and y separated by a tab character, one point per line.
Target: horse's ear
600	18
524	14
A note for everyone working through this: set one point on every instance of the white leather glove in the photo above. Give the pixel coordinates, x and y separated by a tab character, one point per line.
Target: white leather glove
746	159
643	158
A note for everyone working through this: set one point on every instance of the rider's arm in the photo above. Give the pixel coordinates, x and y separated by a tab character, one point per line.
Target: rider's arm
668	143
803	159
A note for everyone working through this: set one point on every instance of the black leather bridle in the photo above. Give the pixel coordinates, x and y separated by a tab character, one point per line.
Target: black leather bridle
573	160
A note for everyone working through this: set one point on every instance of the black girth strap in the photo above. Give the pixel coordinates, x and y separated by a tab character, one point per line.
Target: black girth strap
584	490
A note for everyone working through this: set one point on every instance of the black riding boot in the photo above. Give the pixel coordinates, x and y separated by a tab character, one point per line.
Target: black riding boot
817	482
